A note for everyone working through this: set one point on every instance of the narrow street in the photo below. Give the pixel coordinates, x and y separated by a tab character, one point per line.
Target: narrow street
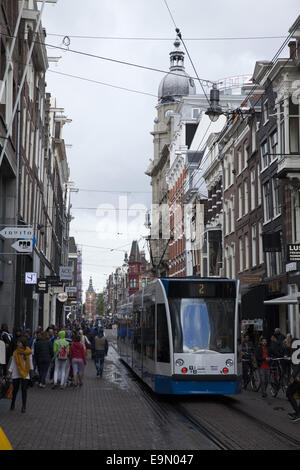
118	412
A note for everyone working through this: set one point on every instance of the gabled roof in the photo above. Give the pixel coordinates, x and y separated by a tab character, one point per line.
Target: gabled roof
135	256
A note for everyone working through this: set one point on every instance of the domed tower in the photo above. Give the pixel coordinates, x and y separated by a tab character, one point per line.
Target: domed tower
172	88
176	83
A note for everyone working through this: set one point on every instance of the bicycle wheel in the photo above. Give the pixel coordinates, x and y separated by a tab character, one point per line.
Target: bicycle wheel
274	384
255	380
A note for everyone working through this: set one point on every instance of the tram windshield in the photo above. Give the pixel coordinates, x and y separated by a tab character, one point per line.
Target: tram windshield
202	325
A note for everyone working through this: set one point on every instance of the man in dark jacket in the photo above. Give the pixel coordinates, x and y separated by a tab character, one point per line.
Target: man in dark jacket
294	387
43	352
101	348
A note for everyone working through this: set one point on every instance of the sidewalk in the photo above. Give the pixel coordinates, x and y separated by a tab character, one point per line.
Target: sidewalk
102	414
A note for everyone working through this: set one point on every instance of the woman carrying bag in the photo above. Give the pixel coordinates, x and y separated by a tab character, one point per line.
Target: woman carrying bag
19	371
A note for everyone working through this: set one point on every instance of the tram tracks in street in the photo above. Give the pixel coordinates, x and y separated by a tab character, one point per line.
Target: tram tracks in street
205	422
268	427
225	404
165	411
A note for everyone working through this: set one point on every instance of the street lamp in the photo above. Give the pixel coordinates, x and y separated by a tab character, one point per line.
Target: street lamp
215	110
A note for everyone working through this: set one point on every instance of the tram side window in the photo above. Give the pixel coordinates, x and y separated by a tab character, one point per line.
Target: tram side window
149	330
163	347
136	331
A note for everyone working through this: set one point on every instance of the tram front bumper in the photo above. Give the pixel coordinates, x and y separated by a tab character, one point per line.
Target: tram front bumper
201	385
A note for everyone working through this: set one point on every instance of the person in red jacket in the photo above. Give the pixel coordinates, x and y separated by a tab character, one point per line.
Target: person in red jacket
78	360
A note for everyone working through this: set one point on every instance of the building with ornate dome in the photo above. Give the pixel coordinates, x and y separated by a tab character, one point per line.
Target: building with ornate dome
176	84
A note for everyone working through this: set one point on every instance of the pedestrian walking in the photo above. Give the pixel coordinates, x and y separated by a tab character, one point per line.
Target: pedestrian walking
84	340
6	337
247	351
101	348
2	358
43	355
275	347
279	336
78	361
293	388
61	352
19	371
262	355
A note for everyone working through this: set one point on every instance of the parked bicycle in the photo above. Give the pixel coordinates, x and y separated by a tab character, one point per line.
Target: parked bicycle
280	372
251	374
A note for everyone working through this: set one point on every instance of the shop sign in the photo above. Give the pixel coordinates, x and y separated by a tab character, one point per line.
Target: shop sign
257	324
293	252
291	267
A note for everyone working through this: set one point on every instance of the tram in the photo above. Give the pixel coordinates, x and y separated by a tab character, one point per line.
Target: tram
181	336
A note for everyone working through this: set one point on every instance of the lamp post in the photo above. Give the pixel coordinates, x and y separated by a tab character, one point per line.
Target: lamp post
215	110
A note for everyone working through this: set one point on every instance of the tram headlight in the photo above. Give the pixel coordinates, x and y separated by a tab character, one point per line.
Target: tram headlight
179	362
229	363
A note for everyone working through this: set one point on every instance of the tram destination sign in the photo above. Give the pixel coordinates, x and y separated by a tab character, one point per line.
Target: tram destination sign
293	252
193	289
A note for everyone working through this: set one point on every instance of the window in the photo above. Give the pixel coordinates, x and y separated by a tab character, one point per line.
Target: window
240	201
246	251
260	243
252	189
162	345
202	324
227	266
232	214
282	130
196	113
253	244
265	111
232	261
295	204
274	263
246	205
264	155
274	145
239	161
226	218
253	137
241	248
258	185
267	202
276	197
294	126
246	155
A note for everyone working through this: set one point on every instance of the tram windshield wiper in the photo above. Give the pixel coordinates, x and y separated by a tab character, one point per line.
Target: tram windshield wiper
204	351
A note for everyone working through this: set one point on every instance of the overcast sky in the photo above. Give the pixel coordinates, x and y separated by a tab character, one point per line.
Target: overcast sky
110	129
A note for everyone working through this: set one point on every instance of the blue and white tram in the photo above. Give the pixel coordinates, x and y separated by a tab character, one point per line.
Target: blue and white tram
180	336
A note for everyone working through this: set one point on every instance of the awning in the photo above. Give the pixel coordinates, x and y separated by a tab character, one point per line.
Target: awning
285	299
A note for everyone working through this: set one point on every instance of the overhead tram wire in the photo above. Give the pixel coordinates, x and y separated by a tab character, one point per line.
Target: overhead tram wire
253	88
136	38
178	32
102	83
109	59
284	44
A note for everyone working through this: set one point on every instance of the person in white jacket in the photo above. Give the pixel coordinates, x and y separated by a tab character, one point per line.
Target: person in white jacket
19	371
